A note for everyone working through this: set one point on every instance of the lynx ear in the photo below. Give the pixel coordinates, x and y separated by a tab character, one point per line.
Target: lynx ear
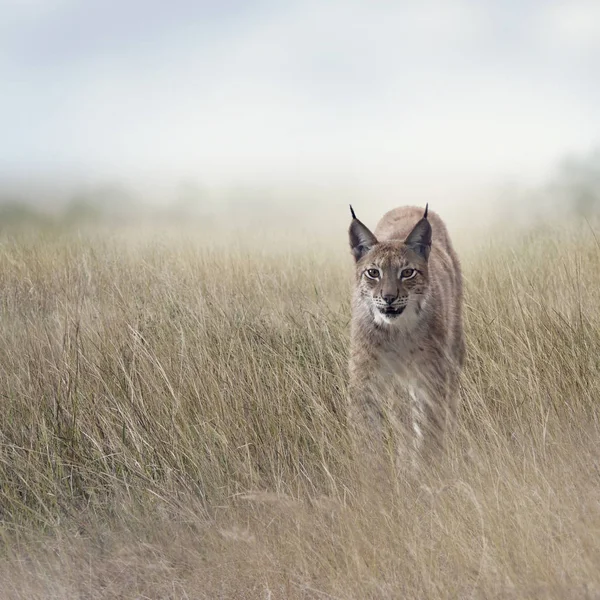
361	238
419	239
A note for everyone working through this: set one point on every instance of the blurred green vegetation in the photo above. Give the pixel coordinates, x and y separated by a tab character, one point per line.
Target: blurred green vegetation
572	190
577	184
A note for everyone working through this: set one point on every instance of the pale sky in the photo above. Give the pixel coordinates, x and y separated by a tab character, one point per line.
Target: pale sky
430	91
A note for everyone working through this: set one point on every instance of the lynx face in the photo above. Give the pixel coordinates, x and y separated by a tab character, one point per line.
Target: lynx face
392	280
392	276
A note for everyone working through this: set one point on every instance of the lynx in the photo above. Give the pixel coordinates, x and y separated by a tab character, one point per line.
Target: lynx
407	343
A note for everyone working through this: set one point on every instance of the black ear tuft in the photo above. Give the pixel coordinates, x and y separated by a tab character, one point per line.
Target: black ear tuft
426	210
361	238
419	239
352	211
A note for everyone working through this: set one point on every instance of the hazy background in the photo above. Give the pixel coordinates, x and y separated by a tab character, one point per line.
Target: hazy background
254	109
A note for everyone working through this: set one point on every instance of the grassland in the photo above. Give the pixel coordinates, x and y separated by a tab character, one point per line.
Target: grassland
173	426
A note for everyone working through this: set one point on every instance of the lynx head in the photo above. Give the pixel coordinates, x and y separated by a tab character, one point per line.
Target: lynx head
391	277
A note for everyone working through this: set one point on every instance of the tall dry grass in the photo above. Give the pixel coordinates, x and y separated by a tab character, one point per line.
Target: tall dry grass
173	426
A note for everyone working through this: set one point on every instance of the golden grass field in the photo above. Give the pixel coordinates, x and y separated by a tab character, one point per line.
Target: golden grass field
173	425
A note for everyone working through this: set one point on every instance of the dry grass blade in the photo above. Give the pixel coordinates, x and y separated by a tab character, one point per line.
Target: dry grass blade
173	425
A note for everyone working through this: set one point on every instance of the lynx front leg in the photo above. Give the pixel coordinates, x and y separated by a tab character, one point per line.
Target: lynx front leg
365	415
379	414
417	404
430	413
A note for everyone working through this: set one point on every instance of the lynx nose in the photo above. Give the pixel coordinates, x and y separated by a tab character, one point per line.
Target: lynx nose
389	298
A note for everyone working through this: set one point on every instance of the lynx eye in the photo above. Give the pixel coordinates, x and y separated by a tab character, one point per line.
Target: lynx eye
408	273
372	273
